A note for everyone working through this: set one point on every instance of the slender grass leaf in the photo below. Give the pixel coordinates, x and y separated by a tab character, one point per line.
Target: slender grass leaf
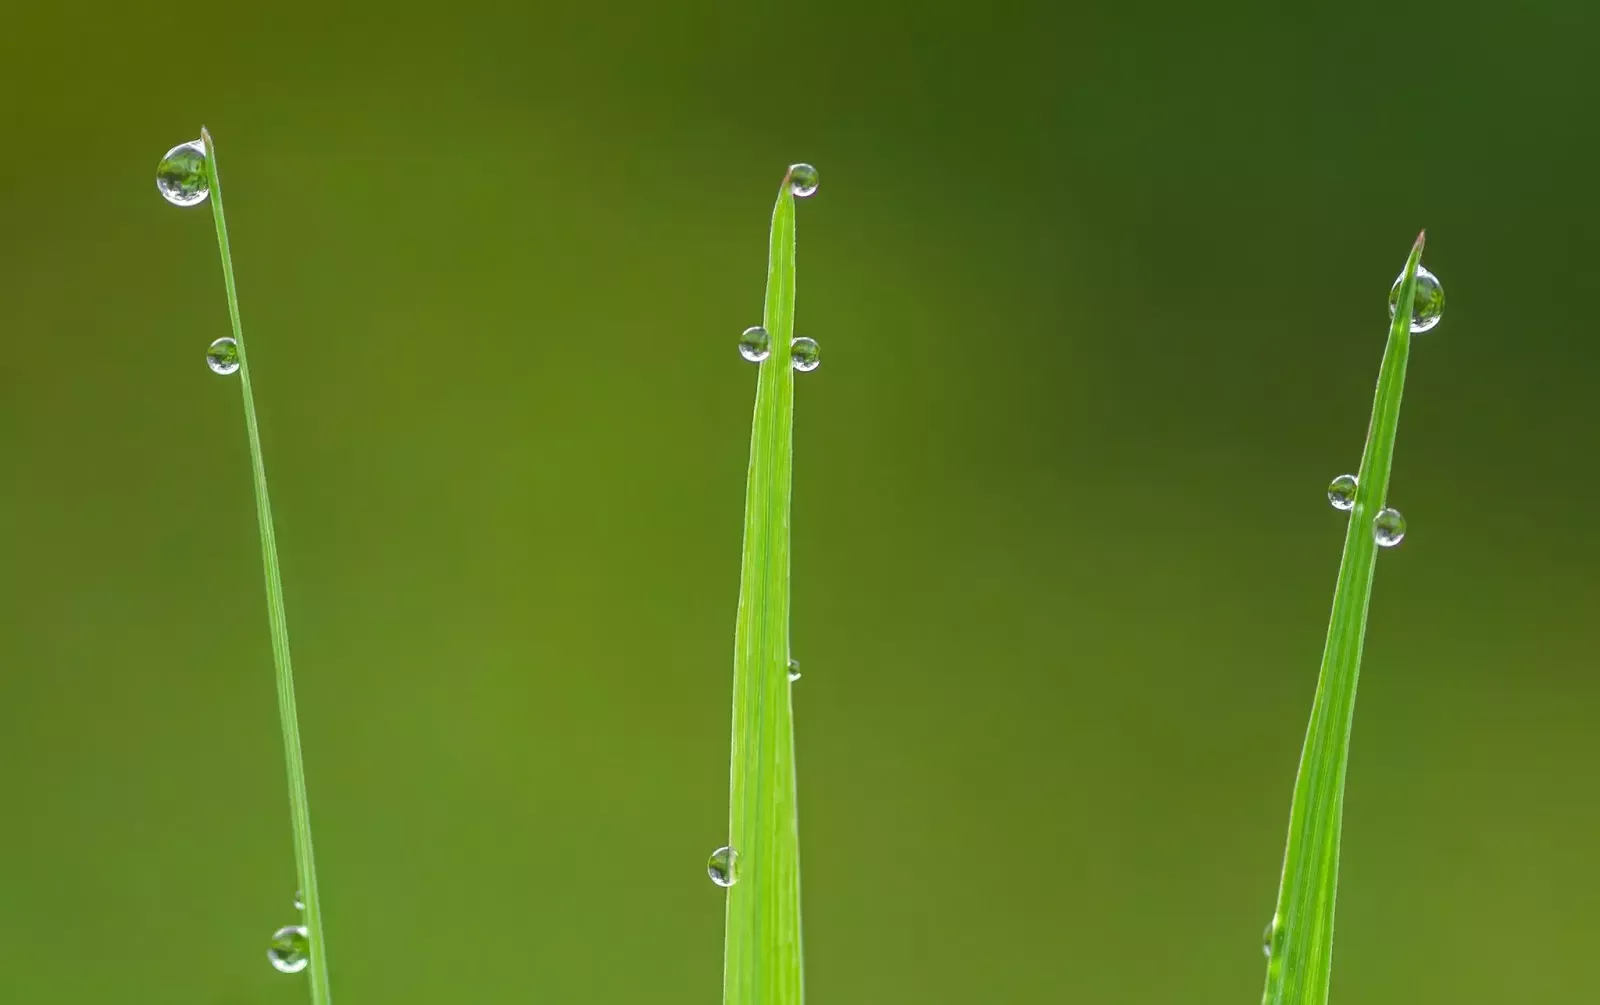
277	621
762	951
1300	935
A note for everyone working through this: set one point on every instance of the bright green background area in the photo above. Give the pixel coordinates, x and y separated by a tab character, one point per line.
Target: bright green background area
1101	297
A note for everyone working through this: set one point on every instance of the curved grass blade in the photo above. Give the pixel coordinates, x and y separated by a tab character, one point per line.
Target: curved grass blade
762	953
299	807
1300	938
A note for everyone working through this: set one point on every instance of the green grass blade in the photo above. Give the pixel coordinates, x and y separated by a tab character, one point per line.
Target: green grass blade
299	807
762	953
1301	937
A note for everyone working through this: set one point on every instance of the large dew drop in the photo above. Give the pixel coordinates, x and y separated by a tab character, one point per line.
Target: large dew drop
1427	305
1388	528
805	354
290	949
755	344
223	356
802	180
723	867
1342	492
182	177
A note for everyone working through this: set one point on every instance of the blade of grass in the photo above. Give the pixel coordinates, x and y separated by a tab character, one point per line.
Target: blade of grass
277	621
762	953
1300	939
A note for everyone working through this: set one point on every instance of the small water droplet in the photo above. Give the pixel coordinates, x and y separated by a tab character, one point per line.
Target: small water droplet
805	354
182	177
1342	492
223	356
1388	528
1266	937
802	180
755	344
299	901
290	950
794	669
1427	304
723	867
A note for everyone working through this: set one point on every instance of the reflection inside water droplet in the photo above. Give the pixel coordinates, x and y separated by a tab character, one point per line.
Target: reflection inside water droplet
1388	528
1342	492
222	356
802	180
1427	304
723	867
181	177
805	354
755	344
290	949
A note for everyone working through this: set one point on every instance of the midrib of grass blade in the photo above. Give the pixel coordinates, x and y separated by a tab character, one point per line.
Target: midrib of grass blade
299	807
762	952
1301	961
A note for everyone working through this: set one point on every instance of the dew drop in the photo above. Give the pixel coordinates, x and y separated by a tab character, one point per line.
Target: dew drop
755	344
802	180
1342	492
794	670
1266	937
290	950
223	356
723	867
182	177
805	354
1388	528
1427	304
299	901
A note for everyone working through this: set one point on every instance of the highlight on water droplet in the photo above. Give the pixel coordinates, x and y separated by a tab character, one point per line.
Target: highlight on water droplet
755	344
802	180
794	669
805	354
1427	304
222	356
290	949
1342	492
1388	528
723	867
182	177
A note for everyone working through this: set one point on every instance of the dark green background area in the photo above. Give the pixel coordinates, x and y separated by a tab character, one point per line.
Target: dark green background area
1101	298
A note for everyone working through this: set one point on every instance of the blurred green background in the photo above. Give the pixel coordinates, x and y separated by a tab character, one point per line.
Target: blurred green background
1101	297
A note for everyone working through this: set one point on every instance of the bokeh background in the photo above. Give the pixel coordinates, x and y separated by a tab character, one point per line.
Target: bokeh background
1101	296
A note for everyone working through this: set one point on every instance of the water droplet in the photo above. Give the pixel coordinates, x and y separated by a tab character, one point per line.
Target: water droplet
755	344
794	669
802	180
223	356
290	950
723	868
1388	528
1342	492
805	354
299	901
1427	304
1266	937
182	177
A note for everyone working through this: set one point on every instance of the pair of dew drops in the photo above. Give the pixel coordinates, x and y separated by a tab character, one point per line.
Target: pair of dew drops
1388	527
755	345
